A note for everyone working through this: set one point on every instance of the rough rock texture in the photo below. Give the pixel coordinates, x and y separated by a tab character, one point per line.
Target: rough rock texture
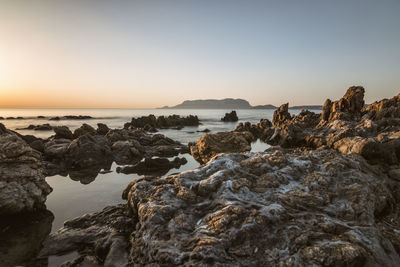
104	234
22	184
102	129
151	122
230	117
348	107
210	145
345	125
83	130
276	208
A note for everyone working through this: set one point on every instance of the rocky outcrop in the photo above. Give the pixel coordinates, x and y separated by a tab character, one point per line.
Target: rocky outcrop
102	129
22	184
83	130
210	145
152	122
230	117
347	108
276	208
345	125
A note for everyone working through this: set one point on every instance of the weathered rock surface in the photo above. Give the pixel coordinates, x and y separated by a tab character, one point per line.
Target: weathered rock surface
63	132
22	184
262	130
345	125
276	208
230	117
152	122
210	145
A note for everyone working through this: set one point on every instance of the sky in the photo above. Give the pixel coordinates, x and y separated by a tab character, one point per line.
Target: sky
144	54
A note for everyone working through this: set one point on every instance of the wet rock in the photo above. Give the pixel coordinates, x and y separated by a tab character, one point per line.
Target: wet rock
101	236
63	132
102	129
55	149
153	166
22	184
230	117
206	130
21	238
88	150
210	145
124	152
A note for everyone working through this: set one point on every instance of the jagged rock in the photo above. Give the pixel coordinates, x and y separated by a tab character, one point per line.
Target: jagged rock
346	126
56	148
281	115
347	108
83	130
102	129
63	132
230	117
210	145
159	166
22	184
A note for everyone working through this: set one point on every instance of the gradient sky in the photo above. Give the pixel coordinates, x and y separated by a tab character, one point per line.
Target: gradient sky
81	53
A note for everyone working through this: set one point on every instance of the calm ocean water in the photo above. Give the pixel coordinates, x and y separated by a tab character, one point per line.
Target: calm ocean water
70	198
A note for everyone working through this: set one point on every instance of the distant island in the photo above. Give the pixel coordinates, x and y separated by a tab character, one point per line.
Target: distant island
229	103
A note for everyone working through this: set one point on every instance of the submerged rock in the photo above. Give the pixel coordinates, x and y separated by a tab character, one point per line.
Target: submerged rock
22	184
230	117
276	208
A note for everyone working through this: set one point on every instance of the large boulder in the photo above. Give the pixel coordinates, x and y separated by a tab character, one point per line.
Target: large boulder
210	145
22	184
276	208
83	130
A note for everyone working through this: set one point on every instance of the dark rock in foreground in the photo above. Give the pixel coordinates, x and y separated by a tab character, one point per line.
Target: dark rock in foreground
23	187
230	117
277	208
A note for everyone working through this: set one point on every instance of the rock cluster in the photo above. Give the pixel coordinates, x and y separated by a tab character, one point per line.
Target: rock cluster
277	208
84	153
151	122
345	125
230	117
22	184
42	127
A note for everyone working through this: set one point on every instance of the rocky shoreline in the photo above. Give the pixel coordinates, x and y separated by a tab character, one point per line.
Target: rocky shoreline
324	194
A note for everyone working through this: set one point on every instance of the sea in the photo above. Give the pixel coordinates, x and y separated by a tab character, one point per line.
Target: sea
70	198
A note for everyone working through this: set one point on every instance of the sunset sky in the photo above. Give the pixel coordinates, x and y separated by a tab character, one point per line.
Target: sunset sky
136	54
